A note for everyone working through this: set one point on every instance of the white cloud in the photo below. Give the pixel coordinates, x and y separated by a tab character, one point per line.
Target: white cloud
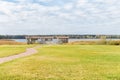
108	1
68	6
79	12
81	3
45	0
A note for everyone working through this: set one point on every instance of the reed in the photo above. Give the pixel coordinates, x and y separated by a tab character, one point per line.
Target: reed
10	42
100	42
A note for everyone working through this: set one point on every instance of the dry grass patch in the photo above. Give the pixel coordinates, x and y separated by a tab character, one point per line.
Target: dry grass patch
10	42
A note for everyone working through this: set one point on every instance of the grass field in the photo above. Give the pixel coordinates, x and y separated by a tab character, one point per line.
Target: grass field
8	50
66	62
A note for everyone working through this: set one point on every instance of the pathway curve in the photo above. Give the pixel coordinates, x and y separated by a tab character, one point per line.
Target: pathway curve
28	52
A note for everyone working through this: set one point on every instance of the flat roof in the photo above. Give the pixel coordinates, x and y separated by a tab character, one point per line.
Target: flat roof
38	37
62	37
45	37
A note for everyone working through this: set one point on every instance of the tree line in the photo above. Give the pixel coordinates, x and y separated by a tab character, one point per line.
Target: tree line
70	36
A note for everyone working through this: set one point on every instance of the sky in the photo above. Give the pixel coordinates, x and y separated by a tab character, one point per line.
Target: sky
36	17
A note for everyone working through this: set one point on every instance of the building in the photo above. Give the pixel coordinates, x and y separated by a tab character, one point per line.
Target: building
47	39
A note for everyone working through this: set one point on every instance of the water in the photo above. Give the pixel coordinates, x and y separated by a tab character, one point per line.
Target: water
70	40
20	40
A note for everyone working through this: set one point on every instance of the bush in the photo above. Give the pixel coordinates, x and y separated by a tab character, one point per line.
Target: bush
113	42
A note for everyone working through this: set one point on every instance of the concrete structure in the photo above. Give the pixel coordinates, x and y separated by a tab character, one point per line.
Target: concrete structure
47	39
62	39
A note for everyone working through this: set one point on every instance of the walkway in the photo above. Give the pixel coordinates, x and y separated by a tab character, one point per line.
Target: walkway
28	52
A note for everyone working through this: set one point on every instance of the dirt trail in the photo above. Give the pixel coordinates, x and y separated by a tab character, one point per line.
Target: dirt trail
28	52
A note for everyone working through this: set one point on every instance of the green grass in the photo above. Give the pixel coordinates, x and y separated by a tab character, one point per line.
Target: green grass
66	62
8	50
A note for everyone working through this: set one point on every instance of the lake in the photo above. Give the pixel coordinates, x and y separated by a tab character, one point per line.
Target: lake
20	40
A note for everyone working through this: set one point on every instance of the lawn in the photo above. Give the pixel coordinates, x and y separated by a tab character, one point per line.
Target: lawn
66	62
8	50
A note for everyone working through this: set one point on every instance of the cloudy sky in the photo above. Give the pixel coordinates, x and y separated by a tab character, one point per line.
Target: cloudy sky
59	16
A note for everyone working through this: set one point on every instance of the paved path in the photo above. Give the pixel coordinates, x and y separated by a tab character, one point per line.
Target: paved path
28	52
